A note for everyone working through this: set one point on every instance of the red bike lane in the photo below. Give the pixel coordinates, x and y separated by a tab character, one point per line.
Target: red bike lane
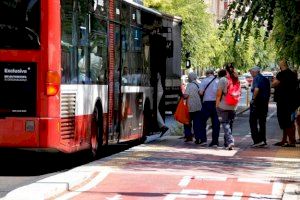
175	171
144	185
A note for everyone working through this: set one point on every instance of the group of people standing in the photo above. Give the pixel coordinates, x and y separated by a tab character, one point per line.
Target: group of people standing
209	100
213	105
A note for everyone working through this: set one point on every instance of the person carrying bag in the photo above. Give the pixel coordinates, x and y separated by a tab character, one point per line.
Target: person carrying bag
182	112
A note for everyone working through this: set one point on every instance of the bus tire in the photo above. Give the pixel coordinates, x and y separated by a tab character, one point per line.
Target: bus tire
96	132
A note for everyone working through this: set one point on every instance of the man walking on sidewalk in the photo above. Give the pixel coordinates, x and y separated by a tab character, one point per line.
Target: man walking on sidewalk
259	107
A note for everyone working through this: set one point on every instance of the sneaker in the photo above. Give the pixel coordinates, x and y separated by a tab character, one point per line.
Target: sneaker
188	139
203	143
213	145
264	145
288	145
259	144
230	147
163	130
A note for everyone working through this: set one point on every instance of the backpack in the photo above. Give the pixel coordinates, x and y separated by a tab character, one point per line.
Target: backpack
233	95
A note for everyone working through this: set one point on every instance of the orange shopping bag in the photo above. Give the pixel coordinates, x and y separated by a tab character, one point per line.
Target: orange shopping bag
182	112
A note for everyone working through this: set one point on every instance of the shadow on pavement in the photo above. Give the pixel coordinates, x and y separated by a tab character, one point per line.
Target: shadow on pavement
19	162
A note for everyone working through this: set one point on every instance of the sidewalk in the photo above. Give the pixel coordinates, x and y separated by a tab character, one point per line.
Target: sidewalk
169	169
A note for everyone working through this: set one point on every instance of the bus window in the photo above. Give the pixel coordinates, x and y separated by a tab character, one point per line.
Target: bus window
75	43
136	56
117	10
125	14
20	24
100	7
98	46
67	48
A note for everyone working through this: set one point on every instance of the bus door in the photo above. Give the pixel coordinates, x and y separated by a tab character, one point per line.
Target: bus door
131	81
114	130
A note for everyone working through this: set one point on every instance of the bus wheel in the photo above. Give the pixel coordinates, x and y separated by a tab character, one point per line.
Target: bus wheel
96	132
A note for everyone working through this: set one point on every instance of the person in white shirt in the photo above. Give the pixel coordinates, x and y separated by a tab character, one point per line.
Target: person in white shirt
208	89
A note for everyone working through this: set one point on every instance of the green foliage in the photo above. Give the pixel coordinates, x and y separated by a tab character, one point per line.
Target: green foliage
279	18
199	36
213	46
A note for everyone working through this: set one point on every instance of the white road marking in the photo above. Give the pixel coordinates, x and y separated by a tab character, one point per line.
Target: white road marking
116	197
219	195
185	181
95	181
277	189
188	194
254	196
237	196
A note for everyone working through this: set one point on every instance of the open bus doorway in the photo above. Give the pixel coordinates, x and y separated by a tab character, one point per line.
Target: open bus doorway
158	58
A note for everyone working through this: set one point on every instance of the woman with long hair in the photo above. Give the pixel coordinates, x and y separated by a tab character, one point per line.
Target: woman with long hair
226	111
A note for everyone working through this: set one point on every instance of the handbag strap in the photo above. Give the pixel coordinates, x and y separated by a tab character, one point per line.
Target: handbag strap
208	85
196	84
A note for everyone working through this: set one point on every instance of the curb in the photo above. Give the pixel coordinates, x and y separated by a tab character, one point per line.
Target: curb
54	185
243	110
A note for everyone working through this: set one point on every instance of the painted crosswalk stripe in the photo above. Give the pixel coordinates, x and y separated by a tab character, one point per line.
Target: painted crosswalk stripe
185	181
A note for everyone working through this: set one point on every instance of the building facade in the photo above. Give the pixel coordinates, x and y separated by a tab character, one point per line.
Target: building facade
218	8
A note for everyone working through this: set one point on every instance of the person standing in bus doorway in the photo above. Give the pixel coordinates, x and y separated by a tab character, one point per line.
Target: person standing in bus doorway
194	103
285	85
208	89
160	91
259	107
226	111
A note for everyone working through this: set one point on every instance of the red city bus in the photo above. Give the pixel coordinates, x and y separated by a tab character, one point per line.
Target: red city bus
78	74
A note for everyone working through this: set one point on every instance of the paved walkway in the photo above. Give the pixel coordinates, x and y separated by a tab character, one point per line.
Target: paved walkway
170	169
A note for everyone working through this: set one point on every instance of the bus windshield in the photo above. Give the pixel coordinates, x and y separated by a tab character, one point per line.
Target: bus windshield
19	24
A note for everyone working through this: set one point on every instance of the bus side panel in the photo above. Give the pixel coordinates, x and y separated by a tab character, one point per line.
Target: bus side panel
78	103
49	106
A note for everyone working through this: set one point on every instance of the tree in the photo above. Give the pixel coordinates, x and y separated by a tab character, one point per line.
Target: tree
279	18
213	47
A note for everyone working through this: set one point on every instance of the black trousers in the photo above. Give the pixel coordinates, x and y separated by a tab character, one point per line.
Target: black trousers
257	120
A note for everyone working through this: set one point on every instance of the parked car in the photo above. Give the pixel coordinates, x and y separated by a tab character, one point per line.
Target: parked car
243	82
249	78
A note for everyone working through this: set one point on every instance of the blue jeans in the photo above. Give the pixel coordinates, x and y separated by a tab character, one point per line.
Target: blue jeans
209	111
226	118
195	118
